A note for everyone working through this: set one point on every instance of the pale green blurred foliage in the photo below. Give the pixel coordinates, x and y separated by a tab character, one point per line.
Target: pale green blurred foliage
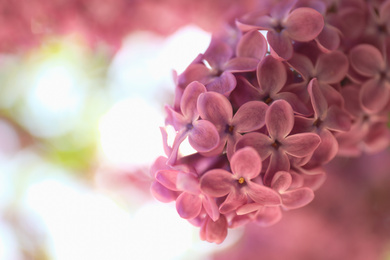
60	130
71	138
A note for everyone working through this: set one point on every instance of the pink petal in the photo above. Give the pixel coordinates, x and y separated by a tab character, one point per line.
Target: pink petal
366	60
280	44
159	164
301	145
161	193
252	44
268	216
217	54
296	103
318	100
374	95
234	200
215	108
244	92
327	150
219	149
188	205
175	119
281	181
260	142
297	180
167	178
241	220
320	6
214	231
332	96
241	64
281	9
338	119
297	198
250	117
329	38
187	182
195	72
179	138
263	195
302	64
248	208
331	67
211	207
217	183
378	138
352	21
246	163
232	139
164	134
271	75
189	100
255	20
279	119
304	124
351	96
279	161
304	24
204	136
384	12
223	84
314	182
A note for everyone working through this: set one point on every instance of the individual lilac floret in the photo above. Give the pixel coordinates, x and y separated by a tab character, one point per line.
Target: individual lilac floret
217	109
271	78
164	190
191	200
369	132
369	62
326	120
215	67
278	144
329	68
214	231
329	38
379	23
285	25
202	135
291	198
238	185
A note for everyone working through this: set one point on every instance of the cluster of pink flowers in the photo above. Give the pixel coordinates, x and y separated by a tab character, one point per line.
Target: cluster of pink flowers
266	114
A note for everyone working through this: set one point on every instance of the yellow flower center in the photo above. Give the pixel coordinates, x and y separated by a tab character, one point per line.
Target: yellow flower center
241	180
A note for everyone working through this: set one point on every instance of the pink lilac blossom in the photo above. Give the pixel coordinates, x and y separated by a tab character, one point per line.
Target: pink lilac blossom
285	25
217	109
265	124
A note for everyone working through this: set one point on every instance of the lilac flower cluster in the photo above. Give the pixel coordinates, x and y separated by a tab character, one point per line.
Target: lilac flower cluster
264	123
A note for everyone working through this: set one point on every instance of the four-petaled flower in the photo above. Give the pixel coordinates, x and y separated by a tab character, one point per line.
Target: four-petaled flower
215	67
285	25
326	120
370	63
239	185
217	109
202	134
278	144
